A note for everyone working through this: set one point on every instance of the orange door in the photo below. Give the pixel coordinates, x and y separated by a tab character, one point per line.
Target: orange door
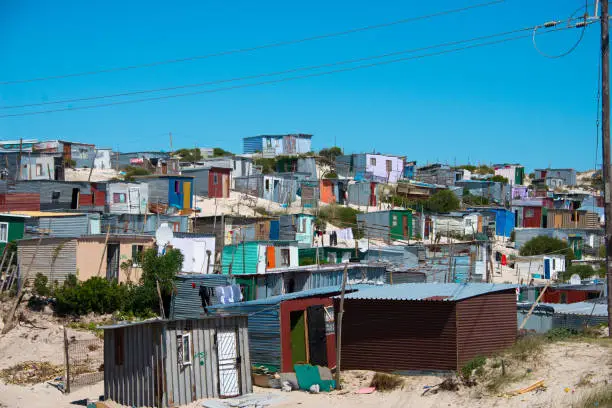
270	257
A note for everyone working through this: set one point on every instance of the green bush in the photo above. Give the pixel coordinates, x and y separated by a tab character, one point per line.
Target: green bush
96	295
41	285
584	271
343	217
442	202
542	245
477	364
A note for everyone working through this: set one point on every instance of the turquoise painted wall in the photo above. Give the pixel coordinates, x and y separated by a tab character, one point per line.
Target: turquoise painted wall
244	261
305	224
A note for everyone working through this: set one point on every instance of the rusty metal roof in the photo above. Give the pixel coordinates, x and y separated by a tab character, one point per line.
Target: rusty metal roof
429	291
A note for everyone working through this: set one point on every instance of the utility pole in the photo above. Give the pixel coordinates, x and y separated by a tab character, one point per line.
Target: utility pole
605	134
170	134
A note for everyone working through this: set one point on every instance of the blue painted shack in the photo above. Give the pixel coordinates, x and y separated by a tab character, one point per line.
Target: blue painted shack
504	219
174	191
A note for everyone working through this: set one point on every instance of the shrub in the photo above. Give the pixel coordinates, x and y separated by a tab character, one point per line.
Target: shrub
386	382
41	285
546	245
475	364
584	271
442	202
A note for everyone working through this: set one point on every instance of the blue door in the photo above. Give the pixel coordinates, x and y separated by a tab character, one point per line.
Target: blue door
546	268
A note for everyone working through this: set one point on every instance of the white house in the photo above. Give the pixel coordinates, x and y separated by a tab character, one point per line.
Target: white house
127	198
102	160
198	251
539	267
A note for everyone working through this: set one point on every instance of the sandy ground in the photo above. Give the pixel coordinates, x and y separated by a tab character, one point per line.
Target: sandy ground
562	365
241	204
83	174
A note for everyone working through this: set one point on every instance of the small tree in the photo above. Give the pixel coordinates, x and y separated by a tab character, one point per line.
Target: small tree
499	179
330	153
584	271
543	245
218	152
442	202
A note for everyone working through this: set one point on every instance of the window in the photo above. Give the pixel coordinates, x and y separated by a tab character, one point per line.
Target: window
55	196
119	198
215	179
302	225
394	221
39	170
554	264
332	258
137	251
4	231
176	226
177	187
574	216
285	257
389	166
183	348
267	185
119	350
372	161
468	222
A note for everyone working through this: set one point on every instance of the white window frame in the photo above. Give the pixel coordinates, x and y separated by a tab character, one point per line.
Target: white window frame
4	239
372	161
282	251
186	358
39	169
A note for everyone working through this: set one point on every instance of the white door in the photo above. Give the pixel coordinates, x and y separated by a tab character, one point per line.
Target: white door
134	200
227	353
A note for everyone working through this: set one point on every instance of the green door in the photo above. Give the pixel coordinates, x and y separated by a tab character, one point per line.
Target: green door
298	338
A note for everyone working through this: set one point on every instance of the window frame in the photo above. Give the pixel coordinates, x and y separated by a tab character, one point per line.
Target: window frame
117	198
5	240
39	167
137	259
215	179
177	187
284	251
394	220
185	357
372	161
389	164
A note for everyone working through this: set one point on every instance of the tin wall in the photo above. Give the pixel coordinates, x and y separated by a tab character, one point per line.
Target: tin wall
387	336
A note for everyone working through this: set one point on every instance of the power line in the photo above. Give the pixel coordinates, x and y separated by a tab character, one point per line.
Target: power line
257	48
289	71
358	67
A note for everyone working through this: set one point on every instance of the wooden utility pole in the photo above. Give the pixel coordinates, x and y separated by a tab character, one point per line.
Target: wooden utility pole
339	326
170	134
605	134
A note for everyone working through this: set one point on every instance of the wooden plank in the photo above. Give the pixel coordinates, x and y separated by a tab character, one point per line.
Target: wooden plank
246	354
531	309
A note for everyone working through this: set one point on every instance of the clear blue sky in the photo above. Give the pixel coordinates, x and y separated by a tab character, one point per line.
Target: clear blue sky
502	103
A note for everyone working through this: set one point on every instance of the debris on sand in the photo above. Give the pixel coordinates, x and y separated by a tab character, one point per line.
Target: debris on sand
31	372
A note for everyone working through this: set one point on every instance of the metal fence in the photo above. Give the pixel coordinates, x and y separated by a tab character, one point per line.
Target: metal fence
84	361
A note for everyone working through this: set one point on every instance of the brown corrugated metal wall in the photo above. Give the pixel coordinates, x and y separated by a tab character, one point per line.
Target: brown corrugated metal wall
485	324
392	335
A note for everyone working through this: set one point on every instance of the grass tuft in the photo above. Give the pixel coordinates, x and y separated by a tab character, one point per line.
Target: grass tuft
599	397
386	382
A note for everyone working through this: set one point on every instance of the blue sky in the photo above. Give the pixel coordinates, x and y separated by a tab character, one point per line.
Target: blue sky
501	103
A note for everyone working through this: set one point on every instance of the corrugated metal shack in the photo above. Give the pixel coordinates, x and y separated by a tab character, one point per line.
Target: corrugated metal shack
387	225
167	363
174	191
33	166
65	195
491	190
55	258
575	316
143	223
19	202
127	198
289	329
592	238
297	227
275	188
240	166
227	228
362	193
186	301
55	224
426	326
210	182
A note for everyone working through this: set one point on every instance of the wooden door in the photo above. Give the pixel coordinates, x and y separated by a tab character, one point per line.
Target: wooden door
187	194
225	179
558	220
270	257
298	338
405	229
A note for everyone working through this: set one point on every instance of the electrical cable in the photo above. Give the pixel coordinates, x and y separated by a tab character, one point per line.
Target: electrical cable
319	74
259	47
289	71
583	25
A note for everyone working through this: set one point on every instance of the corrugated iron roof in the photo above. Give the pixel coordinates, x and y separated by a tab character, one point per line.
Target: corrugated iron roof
429	291
578	308
272	300
42	214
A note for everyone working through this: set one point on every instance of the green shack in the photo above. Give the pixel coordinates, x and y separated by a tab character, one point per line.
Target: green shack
387	225
327	255
12	228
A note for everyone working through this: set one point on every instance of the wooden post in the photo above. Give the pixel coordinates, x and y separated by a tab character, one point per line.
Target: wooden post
67	359
339	327
48	171
605	136
3	259
93	161
161	302
9	320
19	159
103	250
534	306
